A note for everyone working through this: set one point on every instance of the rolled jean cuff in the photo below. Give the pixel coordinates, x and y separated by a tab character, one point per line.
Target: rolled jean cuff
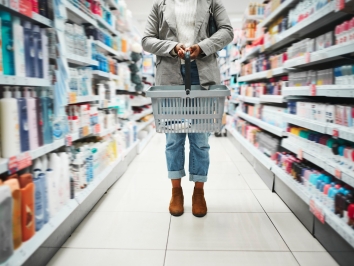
176	174
197	178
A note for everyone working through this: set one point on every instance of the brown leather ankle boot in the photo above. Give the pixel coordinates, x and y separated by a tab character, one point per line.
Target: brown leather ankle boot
176	203
199	207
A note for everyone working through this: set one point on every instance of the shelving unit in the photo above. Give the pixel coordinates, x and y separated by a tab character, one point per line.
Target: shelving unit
314	22
78	16
71	214
145	141
110	28
264	74
104	75
24	81
277	12
142	125
80	60
247	99
271	98
323	90
268	127
141	115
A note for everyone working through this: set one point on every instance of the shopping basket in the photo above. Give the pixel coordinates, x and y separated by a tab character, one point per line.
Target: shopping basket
189	108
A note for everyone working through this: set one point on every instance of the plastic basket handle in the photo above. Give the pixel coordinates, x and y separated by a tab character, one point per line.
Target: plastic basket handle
187	59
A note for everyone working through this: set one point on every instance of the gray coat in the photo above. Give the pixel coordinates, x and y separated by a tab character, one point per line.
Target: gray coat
160	37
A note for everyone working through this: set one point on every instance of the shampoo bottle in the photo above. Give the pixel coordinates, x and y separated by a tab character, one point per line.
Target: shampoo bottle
16	211
32	120
38	107
27	206
39	194
54	166
23	120
65	176
19	50
28	36
46	104
7	43
10	135
6	243
37	48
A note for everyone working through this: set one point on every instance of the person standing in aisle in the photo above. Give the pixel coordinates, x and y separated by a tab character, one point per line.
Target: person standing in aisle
174	27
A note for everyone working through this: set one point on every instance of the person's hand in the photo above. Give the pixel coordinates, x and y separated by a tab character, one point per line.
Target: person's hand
195	51
180	49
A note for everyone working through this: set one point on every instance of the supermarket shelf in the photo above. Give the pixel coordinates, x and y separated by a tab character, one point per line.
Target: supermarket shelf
145	141
295	186
250	55
247	99
34	153
107	131
42	20
142	125
325	128
324	90
81	60
138	103
106	48
78	16
271	98
264	160
326	55
104	75
110	28
268	127
278	11
306	123
317	157
130	148
323	17
246	41
141	115
23	81
85	99
264	74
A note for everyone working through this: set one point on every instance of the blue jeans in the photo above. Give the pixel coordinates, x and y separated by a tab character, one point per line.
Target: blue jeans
199	147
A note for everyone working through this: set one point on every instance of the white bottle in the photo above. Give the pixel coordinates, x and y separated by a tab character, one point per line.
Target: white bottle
45	163
32	119
55	166
65	176
19	51
10	133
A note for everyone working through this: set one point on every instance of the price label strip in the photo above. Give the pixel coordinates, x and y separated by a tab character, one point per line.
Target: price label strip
317	211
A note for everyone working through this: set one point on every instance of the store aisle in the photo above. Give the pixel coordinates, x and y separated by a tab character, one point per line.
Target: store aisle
246	224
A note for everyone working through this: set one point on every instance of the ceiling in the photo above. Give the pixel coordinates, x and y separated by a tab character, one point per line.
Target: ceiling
140	10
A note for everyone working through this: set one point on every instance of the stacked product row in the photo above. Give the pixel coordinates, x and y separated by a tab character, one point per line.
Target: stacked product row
26	120
265	142
270	114
302	11
24	48
323	112
42	7
30	199
342	75
263	62
272	87
335	195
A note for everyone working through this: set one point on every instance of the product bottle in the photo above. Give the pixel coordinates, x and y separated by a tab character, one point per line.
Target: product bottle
10	135
7	43
46	104
6	243
32	119
28	34
16	211
39	115
44	161
38	180
23	120
57	188
19	50
37	41
65	176
27	206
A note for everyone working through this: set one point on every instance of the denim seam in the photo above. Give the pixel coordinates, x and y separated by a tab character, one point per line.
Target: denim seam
176	174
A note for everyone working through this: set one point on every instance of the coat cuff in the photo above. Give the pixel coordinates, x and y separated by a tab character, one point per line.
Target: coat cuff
171	48
205	47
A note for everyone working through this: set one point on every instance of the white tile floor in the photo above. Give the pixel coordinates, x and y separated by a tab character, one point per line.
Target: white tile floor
246	224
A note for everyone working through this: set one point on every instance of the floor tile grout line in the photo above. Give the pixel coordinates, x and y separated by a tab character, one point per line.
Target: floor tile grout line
168	235
277	230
